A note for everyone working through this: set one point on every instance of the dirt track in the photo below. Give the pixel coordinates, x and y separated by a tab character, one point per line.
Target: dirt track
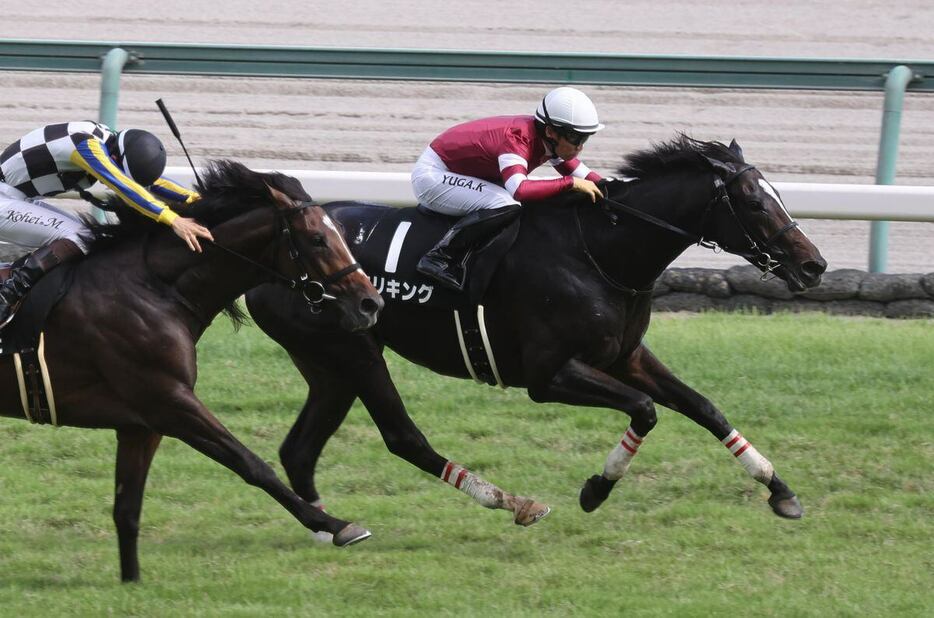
382	126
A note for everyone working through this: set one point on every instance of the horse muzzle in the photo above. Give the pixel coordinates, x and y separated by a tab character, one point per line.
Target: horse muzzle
802	276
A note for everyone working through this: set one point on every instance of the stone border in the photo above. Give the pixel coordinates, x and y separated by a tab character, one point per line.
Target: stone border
841	292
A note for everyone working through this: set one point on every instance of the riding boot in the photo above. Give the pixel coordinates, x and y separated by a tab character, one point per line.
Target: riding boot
36	265
446	262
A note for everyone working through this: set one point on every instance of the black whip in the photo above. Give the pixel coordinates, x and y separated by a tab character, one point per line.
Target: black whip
178	136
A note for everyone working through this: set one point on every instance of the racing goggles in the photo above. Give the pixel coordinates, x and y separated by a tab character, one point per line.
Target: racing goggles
573	137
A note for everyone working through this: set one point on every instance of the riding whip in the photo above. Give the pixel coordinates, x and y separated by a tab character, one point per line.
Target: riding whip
178	136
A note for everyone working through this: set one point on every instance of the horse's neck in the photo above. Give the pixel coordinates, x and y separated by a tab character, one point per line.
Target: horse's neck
210	281
636	252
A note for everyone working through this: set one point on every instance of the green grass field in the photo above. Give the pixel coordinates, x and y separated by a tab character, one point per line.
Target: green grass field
844	408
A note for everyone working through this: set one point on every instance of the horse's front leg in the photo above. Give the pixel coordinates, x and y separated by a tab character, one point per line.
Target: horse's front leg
183	416
577	383
644	371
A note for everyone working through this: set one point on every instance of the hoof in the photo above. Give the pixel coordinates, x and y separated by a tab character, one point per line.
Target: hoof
530	511
350	534
788	507
596	489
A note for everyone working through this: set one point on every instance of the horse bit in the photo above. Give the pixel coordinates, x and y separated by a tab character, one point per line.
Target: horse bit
314	292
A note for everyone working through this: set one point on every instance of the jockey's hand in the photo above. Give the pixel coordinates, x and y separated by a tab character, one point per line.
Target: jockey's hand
587	186
189	230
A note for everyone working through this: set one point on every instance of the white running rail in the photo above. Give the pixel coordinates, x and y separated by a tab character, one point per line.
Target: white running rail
803	200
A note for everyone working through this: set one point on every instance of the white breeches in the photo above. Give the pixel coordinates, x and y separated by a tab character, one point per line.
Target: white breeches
31	223
449	193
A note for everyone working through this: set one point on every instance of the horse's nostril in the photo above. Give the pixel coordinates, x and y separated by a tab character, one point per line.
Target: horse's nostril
368	306
814	268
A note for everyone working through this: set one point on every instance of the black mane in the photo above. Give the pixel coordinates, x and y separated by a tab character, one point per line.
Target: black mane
682	151
229	189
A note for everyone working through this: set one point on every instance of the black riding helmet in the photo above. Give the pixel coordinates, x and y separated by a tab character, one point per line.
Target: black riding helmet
141	155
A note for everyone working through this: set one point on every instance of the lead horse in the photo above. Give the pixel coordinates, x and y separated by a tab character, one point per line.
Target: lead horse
566	313
121	343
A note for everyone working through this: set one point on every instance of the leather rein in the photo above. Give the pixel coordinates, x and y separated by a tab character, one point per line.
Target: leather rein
758	253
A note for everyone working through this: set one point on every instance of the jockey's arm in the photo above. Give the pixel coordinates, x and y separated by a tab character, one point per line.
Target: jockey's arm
576	168
514	171
583	178
170	190
93	157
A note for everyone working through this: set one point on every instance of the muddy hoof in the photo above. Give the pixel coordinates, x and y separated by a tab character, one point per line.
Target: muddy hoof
788	507
350	534
596	489
530	511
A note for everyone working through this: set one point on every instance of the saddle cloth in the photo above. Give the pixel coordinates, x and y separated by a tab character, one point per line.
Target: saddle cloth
388	242
23	339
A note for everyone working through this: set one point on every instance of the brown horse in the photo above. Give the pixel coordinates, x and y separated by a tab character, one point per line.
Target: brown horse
120	345
565	313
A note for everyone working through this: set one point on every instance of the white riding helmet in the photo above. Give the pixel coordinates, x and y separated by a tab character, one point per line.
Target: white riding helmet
568	108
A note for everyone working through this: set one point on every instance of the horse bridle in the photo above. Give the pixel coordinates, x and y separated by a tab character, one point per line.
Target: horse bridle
314	292
758	253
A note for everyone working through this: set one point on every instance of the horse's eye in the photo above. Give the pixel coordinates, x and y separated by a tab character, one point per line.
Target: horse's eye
318	240
755	205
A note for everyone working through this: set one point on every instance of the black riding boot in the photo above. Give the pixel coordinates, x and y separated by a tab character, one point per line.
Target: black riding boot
446	262
22	278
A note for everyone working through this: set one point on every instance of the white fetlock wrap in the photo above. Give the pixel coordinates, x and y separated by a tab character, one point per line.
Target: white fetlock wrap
755	464
485	493
322	536
617	462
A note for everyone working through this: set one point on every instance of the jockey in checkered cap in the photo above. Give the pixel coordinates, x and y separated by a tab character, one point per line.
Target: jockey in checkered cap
73	156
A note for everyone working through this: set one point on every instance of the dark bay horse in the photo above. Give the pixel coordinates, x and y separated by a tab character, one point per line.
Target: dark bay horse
120	345
566	313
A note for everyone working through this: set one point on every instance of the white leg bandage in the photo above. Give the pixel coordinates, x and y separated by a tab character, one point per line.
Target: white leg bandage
755	464
617	462
483	492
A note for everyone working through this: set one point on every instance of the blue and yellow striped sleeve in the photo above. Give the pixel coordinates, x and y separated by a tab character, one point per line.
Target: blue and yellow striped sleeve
92	156
168	189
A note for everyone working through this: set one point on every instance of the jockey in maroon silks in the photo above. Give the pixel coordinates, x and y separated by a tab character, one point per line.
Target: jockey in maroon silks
479	171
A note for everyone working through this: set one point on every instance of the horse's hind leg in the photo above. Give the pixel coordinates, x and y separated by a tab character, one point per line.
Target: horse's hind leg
194	424
327	405
645	372
135	450
404	439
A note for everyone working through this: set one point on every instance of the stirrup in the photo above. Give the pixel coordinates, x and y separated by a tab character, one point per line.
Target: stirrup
14	308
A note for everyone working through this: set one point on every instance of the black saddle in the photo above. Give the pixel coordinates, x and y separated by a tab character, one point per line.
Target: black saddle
388	242
22	333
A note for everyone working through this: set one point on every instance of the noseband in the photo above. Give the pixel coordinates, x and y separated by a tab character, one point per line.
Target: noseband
758	253
314	292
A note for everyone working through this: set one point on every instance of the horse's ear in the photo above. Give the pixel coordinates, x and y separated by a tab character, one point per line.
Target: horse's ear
282	201
735	149
719	166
